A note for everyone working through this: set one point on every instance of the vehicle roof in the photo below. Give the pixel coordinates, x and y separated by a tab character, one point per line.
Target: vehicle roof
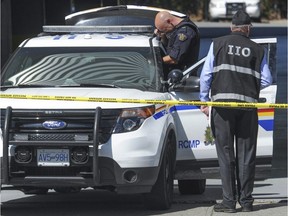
91	40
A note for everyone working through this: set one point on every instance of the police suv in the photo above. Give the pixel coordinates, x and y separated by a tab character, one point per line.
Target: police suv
64	127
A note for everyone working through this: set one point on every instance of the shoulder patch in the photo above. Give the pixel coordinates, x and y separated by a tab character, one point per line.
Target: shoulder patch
182	37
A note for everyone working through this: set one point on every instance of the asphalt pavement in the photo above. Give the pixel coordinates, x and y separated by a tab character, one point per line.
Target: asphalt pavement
270	199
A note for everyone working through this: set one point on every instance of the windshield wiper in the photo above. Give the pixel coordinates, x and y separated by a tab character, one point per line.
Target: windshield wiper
91	85
3	88
24	86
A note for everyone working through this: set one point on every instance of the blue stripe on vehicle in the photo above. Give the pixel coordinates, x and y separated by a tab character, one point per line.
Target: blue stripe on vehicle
174	109
72	37
57	37
184	107
159	114
267	125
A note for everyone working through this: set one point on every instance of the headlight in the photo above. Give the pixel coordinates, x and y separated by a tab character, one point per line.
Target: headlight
131	119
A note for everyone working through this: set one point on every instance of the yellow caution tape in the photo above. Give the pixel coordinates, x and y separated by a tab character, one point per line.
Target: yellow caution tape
145	101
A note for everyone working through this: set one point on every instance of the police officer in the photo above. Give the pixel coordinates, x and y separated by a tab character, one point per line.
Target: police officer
183	40
235	70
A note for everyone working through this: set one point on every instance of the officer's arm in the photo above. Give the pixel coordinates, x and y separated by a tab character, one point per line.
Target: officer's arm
182	43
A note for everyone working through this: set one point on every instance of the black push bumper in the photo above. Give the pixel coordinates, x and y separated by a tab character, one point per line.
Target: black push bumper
98	172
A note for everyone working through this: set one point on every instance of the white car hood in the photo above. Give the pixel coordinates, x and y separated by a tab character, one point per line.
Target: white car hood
106	93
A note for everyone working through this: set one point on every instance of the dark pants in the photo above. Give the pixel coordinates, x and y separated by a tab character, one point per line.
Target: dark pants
237	164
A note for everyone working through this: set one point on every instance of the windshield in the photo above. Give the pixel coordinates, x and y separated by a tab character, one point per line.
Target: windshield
79	66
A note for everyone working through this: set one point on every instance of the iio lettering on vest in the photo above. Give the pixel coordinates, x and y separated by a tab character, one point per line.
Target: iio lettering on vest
238	51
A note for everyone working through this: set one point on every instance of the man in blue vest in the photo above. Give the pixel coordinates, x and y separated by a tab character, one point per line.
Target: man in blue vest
235	71
183	40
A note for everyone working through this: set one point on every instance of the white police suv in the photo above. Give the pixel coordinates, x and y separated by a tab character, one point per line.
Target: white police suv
65	127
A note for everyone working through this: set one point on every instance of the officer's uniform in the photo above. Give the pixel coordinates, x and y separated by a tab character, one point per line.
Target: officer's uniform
231	85
184	44
234	71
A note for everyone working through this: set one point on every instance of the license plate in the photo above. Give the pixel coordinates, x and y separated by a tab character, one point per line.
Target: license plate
232	8
53	157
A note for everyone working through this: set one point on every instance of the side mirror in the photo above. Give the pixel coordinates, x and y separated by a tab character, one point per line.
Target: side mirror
191	84
175	76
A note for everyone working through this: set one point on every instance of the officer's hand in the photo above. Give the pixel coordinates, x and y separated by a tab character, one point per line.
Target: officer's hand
205	110
159	33
156	32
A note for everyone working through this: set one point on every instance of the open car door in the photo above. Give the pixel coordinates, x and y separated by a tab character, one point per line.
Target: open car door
116	15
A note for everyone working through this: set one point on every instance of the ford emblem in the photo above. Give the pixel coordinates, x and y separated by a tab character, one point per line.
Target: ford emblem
54	124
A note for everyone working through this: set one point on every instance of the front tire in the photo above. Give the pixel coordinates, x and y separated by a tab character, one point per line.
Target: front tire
161	196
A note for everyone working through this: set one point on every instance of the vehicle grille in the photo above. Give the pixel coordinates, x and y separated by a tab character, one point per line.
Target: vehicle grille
77	131
41	137
27	125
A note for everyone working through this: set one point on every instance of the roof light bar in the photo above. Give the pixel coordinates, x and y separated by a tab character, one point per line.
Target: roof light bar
99	29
